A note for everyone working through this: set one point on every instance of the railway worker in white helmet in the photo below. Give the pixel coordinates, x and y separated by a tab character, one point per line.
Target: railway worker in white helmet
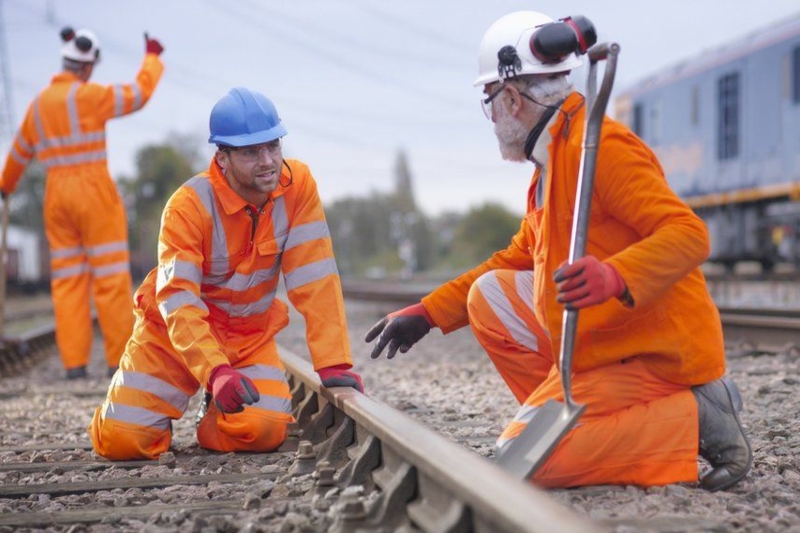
649	358
207	315
84	217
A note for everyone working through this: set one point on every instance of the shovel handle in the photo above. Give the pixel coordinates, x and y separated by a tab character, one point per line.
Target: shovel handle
597	102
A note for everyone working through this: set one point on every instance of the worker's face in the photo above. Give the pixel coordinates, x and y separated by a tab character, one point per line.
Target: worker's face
511	132
253	171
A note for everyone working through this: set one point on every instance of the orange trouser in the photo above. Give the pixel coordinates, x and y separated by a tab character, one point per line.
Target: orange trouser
153	387
637	428
87	231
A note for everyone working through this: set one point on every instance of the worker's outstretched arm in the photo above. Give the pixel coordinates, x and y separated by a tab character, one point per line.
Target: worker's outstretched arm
400	330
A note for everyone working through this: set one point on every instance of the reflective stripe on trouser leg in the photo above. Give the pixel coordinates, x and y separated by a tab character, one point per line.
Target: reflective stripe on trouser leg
500	306
637	429
151	388
261	427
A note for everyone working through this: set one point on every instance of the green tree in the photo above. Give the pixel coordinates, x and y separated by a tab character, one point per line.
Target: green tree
482	231
161	169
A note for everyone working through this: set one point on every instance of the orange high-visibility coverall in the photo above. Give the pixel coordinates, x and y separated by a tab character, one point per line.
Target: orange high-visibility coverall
633	366
84	217
211	301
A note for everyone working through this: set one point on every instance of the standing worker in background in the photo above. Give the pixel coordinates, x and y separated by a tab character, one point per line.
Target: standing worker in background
207	315
64	128
649	351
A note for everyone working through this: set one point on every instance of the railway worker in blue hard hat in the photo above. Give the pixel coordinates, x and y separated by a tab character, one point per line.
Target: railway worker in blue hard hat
207	315
84	217
649	355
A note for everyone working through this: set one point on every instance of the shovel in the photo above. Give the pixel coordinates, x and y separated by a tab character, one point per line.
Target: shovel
529	451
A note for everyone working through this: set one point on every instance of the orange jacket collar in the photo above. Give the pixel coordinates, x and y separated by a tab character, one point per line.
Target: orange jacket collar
232	202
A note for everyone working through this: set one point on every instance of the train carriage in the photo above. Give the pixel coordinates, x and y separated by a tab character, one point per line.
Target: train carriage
726	127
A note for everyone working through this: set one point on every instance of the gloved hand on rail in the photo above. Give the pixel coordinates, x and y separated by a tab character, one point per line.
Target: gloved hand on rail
400	330
152	46
340	376
231	389
587	282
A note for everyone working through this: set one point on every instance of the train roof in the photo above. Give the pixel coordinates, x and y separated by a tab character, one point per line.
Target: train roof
710	59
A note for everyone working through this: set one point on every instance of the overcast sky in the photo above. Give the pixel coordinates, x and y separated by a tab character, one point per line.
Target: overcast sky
353	80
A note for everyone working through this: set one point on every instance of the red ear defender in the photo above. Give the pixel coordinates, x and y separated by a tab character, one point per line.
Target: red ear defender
67	34
552	42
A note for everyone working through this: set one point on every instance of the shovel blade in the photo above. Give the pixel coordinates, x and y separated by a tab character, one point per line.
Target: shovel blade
524	455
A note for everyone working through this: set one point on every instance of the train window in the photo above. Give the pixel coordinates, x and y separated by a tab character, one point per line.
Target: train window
638	120
656	122
796	75
728	118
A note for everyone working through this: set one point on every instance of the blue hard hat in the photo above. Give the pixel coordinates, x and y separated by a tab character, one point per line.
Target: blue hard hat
243	118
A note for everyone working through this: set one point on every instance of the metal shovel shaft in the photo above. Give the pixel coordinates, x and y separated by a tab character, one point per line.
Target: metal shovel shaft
597	101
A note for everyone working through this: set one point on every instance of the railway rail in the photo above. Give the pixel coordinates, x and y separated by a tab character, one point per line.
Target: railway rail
355	462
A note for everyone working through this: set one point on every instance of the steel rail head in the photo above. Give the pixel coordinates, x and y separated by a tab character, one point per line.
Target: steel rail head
492	494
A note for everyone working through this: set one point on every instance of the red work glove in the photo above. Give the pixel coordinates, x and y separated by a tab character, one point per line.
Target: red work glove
587	282
152	46
231	389
400	330
340	376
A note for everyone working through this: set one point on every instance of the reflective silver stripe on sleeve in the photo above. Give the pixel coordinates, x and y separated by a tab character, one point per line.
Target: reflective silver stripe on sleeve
137	415
307	232
111	269
147	383
23	143
178	300
137	96
19	158
62	253
119	100
107	248
241	310
310	273
69	272
187	271
219	243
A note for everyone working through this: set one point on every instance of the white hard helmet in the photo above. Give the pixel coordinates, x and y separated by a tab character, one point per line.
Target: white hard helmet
82	46
515	30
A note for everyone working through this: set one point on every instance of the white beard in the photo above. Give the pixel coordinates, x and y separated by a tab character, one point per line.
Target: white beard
511	135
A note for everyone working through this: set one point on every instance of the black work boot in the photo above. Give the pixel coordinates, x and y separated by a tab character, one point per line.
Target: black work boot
722	440
203	409
79	372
